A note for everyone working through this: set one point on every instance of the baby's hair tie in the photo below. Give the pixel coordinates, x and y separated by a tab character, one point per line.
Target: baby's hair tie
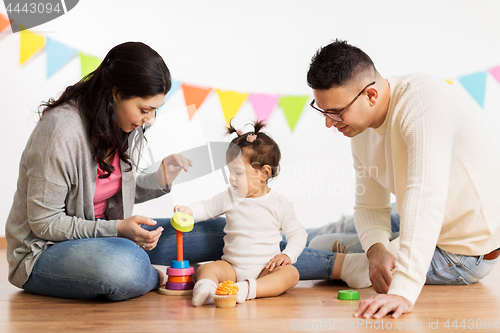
251	137
239	133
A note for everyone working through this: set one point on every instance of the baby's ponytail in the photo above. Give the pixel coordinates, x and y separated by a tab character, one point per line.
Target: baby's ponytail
257	147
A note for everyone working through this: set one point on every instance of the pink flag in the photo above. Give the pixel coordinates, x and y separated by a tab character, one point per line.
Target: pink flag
496	73
263	104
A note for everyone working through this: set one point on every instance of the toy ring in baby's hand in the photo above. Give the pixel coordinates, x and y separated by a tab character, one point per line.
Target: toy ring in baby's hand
182	222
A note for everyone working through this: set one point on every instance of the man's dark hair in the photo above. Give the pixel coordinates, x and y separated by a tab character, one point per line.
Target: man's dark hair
336	65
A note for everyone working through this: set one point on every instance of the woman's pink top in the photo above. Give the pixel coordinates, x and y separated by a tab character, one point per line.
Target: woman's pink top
105	188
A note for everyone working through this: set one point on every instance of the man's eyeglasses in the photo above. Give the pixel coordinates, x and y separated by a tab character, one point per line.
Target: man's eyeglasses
336	114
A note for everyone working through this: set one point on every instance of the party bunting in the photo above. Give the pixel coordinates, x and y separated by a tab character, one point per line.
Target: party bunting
194	95
231	102
292	106
496	73
4	22
58	55
263	104
175	86
475	84
88	63
30	44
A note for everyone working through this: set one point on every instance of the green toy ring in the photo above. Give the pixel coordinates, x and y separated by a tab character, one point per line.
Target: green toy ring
348	295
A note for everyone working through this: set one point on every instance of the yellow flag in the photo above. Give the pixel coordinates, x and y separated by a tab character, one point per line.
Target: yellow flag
231	102
30	44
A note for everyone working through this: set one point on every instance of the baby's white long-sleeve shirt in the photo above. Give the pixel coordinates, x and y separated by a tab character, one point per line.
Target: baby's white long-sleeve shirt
254	226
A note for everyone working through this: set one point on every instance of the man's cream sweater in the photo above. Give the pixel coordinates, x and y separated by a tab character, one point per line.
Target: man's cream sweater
433	154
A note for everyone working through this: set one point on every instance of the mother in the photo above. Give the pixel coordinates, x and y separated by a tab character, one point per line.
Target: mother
77	184
70	232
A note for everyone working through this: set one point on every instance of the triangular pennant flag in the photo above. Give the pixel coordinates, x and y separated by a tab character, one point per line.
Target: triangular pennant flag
89	63
496	73
231	102
30	44
4	22
173	89
58	55
475	84
175	86
263	104
293	106
194	95
449	81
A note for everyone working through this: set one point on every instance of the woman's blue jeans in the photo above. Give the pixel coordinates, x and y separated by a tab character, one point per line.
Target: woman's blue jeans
118	269
88	268
206	241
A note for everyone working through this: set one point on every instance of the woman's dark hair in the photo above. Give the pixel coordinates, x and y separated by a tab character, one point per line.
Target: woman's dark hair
336	65
260	151
135	70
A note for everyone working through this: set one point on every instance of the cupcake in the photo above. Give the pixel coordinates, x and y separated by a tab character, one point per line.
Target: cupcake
226	295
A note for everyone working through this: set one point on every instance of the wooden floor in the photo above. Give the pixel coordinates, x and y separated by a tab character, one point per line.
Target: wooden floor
311	306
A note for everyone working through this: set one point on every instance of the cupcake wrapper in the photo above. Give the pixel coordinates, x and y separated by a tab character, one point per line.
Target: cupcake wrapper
225	301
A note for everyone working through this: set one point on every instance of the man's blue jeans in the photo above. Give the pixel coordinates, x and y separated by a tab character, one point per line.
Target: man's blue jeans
445	268
119	269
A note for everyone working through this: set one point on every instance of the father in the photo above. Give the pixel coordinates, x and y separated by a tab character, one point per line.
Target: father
416	137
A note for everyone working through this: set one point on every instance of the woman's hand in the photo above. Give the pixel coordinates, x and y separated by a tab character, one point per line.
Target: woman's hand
170	168
183	209
278	260
131	228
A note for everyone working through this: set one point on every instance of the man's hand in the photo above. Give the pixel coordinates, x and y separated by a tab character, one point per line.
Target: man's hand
380	305
381	264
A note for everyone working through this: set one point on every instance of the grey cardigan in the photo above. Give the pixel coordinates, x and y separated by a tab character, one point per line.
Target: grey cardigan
55	189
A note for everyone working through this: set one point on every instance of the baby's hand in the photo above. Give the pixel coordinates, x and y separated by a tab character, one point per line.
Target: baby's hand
183	209
278	260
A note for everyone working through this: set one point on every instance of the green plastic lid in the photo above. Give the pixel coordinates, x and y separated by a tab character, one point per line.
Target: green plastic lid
348	295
